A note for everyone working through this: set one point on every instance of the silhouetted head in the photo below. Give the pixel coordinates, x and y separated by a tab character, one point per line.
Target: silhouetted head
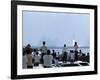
80	51
65	53
53	50
64	45
88	54
48	52
43	42
28	45
58	52
37	53
75	43
34	50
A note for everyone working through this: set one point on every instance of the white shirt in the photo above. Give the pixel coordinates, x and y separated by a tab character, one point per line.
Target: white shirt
44	49
47	60
76	47
34	53
72	56
37	58
64	49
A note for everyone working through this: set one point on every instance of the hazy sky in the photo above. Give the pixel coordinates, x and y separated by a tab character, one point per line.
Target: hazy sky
55	28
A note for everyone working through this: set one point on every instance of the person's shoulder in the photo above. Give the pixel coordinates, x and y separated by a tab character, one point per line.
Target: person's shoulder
51	55
44	57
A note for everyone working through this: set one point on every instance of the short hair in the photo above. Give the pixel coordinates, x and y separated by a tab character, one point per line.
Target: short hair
87	53
48	52
37	53
43	42
64	45
34	50
53	50
28	45
75	43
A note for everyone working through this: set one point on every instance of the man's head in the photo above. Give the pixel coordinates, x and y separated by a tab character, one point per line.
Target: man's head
48	52
34	50
28	45
53	50
43	42
64	45
75	43
37	53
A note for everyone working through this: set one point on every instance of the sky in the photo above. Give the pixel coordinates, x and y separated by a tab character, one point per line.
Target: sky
55	28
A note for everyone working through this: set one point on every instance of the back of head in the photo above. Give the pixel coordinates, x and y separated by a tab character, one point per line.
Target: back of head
43	42
28	45
48	52
65	53
75	43
64	45
53	50
37	53
88	54
34	50
80	51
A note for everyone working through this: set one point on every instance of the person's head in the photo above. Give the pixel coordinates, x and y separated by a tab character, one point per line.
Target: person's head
88	54
53	50
43	42
64	45
48	52
37	53
28	45
80	51
34	50
75	43
58	52
65	53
